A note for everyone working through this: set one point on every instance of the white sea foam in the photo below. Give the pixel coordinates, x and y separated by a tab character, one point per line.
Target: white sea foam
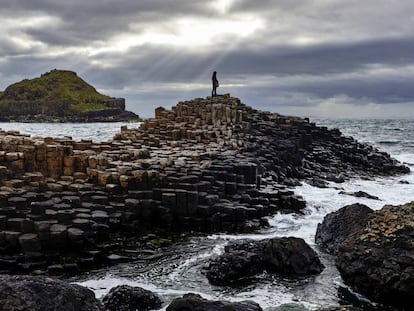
102	286
181	267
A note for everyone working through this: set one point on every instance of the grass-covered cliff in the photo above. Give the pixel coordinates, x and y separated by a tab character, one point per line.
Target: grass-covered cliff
61	94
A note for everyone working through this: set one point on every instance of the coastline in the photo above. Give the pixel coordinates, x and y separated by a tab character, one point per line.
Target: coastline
288	161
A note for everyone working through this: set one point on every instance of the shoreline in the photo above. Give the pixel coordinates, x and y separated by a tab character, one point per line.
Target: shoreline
199	167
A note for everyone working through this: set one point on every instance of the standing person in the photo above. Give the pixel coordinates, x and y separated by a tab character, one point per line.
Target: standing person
215	84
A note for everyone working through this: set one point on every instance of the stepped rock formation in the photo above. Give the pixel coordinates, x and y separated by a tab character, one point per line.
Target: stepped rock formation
59	95
208	165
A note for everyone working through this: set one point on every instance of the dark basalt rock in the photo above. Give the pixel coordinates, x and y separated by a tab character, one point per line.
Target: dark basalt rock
37	293
128	298
195	302
290	257
337	226
234	266
361	194
340	308
378	260
206	165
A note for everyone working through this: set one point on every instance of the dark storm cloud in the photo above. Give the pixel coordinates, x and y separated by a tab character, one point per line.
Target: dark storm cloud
386	91
321	59
78	21
362	89
76	8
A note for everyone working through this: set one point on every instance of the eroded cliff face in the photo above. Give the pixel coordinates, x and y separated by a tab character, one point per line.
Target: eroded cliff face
58	93
54	108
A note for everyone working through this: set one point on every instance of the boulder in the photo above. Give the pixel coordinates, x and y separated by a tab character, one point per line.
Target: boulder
128	298
38	293
291	257
287	256
234	266
337	225
195	302
378	260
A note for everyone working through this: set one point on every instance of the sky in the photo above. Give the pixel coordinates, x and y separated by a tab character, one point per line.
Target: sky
327	58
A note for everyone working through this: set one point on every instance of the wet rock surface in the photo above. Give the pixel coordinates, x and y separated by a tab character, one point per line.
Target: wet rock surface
126	298
206	165
289	256
337	226
378	260
44	294
360	194
197	303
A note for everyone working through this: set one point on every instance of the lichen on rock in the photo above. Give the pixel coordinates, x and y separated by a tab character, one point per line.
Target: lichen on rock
378	260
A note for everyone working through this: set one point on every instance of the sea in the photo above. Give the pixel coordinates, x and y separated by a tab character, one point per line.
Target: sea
178	270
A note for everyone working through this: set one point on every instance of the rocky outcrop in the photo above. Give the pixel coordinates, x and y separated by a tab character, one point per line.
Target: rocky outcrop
126	298
283	256
337	226
59	96
44	294
378	260
197	303
207	165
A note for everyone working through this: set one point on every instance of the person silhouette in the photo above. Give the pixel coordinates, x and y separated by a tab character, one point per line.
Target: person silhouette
215	84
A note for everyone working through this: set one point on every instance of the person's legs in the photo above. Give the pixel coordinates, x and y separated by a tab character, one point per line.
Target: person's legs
214	91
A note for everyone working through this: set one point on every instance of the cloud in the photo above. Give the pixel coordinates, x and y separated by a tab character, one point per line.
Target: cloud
292	56
346	107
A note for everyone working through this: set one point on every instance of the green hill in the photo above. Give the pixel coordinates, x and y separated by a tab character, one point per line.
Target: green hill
58	93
